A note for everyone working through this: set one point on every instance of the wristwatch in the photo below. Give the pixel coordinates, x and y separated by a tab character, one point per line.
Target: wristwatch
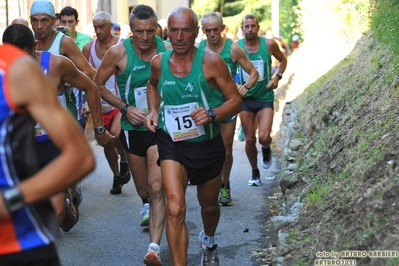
13	199
279	75
124	109
100	130
212	114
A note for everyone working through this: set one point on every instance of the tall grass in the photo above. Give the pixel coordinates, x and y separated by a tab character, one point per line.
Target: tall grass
385	23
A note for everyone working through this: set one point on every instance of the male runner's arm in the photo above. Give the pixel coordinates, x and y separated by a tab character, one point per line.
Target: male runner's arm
71	75
275	51
238	55
153	97
75	161
218	76
109	65
72	51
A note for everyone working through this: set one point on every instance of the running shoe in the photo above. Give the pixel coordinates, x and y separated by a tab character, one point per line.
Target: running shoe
116	186
255	179
72	214
225	198
79	195
209	256
145	215
124	173
152	258
266	157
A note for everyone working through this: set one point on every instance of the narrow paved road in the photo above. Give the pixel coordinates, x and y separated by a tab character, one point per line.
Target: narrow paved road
108	232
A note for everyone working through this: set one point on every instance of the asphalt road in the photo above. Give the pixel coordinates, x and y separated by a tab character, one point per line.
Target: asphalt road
108	232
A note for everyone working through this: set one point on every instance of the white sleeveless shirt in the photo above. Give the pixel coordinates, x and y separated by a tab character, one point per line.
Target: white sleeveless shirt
111	84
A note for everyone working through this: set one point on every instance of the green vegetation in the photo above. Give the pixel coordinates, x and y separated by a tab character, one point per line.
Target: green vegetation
354	152
385	22
234	10
349	120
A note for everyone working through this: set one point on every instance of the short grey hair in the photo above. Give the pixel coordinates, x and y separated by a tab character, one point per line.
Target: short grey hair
142	12
102	15
208	15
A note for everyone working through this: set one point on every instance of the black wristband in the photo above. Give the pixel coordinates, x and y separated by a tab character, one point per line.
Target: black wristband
246	86
13	199
124	109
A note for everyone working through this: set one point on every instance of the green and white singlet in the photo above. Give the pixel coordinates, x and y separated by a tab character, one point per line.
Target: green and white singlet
180	96
262	61
226	56
132	82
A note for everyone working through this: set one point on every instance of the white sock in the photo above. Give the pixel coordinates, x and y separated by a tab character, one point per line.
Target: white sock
208	241
155	247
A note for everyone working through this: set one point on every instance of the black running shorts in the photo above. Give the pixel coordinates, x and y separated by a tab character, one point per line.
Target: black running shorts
253	105
138	142
203	160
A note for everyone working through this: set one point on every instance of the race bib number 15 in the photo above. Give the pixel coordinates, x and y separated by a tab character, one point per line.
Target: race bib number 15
179	123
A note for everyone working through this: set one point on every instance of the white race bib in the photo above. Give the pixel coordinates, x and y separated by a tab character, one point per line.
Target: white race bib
179	123
258	64
140	95
106	107
39	131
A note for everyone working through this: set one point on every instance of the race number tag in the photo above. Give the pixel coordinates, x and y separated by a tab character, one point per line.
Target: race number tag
39	131
258	64
140	95
106	106
179	123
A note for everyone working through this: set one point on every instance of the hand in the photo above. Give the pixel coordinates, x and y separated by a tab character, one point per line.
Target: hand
200	116
242	90
273	83
85	109
104	139
135	115
151	121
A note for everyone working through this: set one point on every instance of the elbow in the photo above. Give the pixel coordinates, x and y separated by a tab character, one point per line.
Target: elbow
238	104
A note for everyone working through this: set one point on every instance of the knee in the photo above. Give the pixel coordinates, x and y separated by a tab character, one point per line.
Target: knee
156	190
250	140
176	211
210	208
265	138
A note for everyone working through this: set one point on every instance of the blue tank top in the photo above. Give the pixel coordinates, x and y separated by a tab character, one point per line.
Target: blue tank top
40	134
35	225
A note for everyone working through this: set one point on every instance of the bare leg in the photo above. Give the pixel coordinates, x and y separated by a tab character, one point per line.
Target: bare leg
207	194
115	131
138	167
248	124
157	196
175	180
112	158
227	132
265	123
